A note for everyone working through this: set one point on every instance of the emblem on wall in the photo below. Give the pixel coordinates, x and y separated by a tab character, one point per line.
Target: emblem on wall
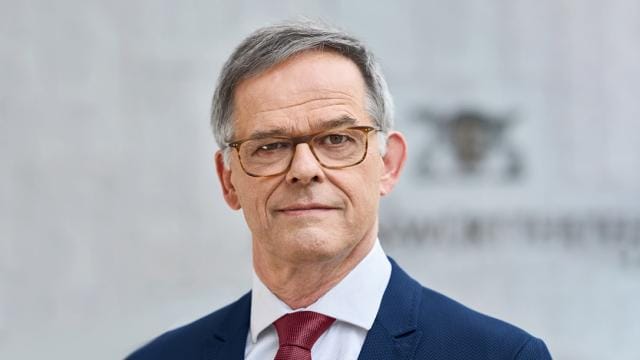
468	144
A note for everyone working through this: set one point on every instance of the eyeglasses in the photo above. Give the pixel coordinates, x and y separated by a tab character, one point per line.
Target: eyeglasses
334	149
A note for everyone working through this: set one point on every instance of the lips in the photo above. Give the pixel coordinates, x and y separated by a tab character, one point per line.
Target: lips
305	208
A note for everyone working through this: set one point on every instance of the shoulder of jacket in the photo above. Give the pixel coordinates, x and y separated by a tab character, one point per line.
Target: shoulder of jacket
458	326
190	337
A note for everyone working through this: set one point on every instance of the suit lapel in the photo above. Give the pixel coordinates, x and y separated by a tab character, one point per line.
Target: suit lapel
228	341
394	333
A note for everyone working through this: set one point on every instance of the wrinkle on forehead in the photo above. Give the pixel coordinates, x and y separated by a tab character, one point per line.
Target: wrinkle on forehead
332	96
300	94
302	121
279	130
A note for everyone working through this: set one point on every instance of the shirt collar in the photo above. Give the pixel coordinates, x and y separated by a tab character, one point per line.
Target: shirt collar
368	279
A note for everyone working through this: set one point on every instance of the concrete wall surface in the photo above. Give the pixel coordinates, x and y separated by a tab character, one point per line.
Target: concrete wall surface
112	224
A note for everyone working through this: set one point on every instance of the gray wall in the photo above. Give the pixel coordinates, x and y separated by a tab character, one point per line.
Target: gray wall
112	227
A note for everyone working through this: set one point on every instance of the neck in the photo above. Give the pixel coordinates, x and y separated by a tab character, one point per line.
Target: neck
301	284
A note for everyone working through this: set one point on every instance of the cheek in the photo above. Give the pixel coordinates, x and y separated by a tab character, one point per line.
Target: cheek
258	193
252	197
253	211
364	194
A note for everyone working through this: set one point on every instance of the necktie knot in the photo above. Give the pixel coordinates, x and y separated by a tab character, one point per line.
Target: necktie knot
300	330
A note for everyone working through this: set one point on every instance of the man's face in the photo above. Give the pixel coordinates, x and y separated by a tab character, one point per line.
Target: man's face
310	213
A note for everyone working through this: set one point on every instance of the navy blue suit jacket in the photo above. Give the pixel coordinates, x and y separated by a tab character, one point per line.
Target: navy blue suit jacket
413	322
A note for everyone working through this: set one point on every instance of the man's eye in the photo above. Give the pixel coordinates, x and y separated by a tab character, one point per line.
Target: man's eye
274	146
335	139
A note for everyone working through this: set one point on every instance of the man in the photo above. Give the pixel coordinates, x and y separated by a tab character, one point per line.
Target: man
303	119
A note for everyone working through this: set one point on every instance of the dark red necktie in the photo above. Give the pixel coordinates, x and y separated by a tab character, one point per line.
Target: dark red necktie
297	332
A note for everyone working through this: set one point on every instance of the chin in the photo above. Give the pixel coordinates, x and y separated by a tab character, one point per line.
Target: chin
314	244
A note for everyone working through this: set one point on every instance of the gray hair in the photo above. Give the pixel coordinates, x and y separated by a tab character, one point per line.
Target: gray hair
274	44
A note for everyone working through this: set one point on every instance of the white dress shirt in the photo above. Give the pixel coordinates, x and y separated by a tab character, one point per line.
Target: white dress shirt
353	302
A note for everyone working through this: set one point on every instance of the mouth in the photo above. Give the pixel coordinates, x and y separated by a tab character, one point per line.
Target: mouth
305	209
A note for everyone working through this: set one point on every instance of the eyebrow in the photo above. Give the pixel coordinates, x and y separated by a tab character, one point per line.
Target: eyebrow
326	125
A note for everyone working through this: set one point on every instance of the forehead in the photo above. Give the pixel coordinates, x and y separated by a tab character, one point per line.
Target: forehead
300	94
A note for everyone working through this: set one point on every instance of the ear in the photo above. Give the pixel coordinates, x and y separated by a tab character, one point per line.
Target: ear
393	161
224	175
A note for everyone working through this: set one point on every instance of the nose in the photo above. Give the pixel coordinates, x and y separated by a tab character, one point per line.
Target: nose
304	168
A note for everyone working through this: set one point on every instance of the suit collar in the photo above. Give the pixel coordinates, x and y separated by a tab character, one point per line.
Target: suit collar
228	339
394	334
368	279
